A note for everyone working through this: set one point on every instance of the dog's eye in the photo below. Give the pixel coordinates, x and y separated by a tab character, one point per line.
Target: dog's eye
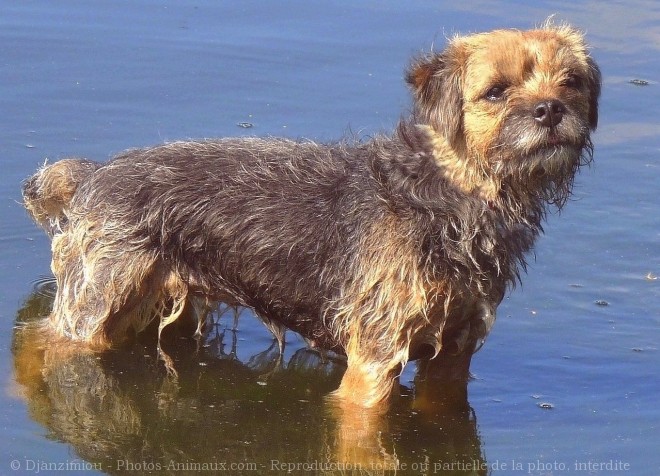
495	93
573	81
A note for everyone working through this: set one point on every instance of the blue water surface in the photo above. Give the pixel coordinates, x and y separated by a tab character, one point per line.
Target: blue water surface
568	380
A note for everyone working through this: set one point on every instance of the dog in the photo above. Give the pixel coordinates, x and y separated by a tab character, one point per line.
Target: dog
386	250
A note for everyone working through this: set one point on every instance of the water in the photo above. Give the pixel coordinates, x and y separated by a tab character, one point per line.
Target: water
562	385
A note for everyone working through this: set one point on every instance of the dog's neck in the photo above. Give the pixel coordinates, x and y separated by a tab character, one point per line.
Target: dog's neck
462	170
513	202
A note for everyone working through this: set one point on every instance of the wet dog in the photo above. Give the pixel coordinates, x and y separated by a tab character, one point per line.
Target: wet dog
385	250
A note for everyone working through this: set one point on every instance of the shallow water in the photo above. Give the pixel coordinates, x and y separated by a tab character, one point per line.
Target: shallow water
568	380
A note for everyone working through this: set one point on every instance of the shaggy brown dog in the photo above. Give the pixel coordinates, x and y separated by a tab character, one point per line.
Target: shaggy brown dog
387	250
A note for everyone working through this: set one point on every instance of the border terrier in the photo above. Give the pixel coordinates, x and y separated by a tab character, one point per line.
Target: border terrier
386	250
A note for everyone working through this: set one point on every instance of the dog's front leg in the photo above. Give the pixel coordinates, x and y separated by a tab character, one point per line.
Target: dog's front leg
370	374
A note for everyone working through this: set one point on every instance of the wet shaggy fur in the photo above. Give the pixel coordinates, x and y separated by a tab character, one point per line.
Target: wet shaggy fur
395	248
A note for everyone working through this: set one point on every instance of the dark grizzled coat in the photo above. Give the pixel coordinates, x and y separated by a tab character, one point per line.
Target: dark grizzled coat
276	225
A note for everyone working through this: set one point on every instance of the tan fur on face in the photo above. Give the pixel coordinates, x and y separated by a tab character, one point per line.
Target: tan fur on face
465	128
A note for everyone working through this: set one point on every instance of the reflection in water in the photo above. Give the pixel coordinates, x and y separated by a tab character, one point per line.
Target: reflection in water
120	408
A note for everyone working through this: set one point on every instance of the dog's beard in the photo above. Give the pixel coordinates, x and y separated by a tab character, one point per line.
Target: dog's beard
542	160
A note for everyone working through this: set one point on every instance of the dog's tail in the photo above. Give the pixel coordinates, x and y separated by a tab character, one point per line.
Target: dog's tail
48	193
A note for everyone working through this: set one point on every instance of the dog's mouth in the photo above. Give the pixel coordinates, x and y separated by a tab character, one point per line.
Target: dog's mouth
542	153
553	143
554	140
544	159
526	139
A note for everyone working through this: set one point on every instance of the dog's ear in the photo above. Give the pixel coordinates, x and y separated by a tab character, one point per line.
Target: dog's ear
594	82
436	87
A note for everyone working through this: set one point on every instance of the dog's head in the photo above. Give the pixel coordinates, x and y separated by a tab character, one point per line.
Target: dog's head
511	103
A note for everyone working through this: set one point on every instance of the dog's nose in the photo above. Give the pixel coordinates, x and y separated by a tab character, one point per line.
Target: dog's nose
549	113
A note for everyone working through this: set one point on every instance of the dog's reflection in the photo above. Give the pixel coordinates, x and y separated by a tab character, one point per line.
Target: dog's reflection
121	407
